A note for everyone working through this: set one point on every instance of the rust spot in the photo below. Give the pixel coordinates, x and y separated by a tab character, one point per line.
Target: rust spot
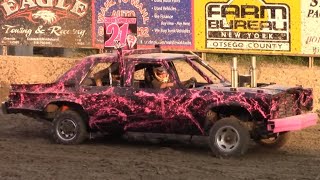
51	108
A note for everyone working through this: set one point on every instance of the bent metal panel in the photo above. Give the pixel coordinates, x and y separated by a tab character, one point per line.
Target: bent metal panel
49	23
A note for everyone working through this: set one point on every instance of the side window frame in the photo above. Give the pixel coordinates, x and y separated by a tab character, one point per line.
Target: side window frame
133	70
90	71
193	66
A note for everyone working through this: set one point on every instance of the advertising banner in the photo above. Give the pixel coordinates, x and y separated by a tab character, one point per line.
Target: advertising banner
253	26
120	32
165	22
277	27
310	27
49	23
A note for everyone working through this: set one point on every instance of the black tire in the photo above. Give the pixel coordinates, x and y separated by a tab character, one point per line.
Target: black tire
276	142
228	137
69	128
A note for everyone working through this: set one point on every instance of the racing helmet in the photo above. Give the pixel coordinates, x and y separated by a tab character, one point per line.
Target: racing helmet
161	74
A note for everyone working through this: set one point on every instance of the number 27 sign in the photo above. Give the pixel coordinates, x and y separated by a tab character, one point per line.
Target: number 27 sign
122	30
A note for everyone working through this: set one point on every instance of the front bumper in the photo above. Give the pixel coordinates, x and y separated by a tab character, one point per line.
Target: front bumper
4	107
292	123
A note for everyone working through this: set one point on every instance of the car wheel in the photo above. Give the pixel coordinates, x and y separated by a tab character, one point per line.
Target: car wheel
228	137
276	142
69	128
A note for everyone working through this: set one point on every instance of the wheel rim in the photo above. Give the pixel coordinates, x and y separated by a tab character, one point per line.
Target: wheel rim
66	129
227	138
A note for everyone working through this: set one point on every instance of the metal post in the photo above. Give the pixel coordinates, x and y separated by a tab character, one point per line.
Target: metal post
253	71
204	56
234	72
311	61
197	55
4	50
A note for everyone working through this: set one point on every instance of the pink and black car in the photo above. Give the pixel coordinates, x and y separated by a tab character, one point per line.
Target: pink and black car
126	101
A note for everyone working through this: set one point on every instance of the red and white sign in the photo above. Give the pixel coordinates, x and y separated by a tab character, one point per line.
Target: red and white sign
121	30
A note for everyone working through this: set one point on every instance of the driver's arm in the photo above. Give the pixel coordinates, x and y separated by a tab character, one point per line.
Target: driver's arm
191	80
166	85
160	85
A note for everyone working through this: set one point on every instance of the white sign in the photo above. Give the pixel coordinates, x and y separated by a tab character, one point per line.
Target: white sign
256	26
310	37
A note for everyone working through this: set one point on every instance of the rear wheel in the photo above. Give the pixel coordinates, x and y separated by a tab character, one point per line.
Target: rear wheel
69	128
276	142
228	137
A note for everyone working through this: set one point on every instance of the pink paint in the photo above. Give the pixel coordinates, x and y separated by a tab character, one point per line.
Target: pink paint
293	123
176	110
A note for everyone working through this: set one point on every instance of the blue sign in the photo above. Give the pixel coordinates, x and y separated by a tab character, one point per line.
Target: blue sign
165	22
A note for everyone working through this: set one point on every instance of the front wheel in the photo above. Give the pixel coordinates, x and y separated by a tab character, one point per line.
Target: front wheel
228	137
69	128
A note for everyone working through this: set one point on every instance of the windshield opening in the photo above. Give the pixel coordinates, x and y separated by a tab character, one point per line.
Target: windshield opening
188	68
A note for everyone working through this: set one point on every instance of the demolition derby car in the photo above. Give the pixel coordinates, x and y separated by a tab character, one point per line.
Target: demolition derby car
114	93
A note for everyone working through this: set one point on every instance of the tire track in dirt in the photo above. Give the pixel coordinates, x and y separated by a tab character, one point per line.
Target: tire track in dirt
26	152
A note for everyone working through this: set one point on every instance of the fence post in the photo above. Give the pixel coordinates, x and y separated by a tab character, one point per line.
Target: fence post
311	61
4	50
234	72
204	56
253	71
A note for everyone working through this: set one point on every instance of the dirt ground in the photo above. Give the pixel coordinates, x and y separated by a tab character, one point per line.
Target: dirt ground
27	152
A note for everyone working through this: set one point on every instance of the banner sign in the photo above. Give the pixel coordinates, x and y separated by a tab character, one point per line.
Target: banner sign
254	26
50	23
120	30
165	22
310	26
277	27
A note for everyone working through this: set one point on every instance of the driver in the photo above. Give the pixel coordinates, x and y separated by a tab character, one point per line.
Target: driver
161	79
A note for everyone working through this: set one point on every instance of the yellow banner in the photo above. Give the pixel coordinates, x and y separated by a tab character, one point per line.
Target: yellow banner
251	26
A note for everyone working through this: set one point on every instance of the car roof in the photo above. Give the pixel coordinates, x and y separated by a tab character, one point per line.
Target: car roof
155	56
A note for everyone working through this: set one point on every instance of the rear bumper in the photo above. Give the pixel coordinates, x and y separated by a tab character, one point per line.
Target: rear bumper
292	123
4	107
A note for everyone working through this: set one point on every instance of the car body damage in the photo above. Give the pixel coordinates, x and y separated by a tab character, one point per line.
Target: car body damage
127	102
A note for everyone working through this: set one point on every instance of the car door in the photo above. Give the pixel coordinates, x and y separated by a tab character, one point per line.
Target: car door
184	103
106	105
146	103
176	111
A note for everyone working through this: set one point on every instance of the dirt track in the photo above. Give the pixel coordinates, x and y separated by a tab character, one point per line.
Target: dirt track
26	151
